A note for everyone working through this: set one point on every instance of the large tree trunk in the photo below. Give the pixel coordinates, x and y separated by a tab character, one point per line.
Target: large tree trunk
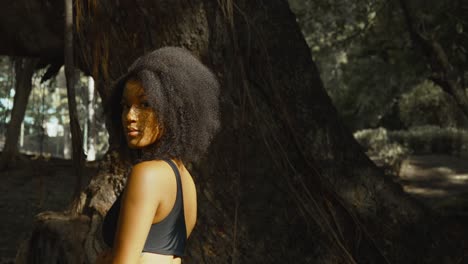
24	70
283	182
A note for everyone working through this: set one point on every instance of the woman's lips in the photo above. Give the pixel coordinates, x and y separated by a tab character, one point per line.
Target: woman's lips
133	133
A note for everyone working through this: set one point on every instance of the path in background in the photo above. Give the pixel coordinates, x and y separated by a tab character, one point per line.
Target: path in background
440	181
33	186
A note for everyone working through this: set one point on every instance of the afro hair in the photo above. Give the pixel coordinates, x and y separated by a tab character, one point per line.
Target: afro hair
184	94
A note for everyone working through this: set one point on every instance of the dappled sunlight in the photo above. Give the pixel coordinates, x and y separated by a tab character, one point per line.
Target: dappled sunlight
459	178
428	191
444	170
436	180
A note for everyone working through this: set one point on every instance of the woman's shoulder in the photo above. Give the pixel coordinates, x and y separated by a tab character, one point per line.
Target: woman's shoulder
151	174
151	165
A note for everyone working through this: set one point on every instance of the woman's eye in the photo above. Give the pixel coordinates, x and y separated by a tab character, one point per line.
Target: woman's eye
145	104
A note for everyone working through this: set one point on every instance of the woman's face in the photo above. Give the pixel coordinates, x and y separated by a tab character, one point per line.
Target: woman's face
139	120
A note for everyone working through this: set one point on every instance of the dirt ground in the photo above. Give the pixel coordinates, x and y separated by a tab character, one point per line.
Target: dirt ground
34	186
440	181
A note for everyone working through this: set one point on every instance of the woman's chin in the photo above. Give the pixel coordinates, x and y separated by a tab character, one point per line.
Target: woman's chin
138	142
134	144
131	146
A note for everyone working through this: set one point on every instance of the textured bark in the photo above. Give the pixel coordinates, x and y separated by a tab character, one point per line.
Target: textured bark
24	70
78	155
284	180
55	237
32	28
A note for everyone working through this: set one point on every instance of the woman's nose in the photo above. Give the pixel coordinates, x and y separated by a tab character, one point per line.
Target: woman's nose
131	114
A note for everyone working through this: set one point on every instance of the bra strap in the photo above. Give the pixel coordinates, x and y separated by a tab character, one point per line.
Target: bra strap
178	179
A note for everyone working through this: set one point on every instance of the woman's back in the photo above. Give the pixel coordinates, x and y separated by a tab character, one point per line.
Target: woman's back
166	206
170	225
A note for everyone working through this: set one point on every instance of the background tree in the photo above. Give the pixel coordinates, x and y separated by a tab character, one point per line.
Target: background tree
367	56
440	37
78	156
7	77
24	69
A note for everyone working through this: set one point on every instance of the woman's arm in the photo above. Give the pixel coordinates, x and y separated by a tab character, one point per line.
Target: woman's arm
145	188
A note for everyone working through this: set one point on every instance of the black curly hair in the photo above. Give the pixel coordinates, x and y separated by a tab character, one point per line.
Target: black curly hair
184	94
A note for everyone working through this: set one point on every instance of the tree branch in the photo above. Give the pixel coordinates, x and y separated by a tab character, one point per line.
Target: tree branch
444	74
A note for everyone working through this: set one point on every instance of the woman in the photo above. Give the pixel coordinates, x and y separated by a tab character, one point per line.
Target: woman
166	105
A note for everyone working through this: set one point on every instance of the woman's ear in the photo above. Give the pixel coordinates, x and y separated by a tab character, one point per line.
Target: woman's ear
160	130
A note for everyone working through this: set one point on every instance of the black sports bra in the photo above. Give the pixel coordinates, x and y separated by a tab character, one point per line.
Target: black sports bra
167	237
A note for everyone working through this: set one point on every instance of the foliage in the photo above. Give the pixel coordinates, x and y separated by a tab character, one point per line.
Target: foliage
7	80
333	22
360	66
418	140
381	148
426	104
367	59
432	139
48	105
446	22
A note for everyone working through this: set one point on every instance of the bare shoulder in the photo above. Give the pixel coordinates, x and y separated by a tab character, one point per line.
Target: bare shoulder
150	177
153	168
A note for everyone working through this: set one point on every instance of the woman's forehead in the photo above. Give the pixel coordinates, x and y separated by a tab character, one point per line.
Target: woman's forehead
133	87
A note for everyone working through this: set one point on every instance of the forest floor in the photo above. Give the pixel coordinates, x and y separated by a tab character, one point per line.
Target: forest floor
34	186
30	187
439	181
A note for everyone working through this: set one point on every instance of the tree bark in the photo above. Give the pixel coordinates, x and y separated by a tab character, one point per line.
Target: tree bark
284	181
24	70
32	28
78	155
